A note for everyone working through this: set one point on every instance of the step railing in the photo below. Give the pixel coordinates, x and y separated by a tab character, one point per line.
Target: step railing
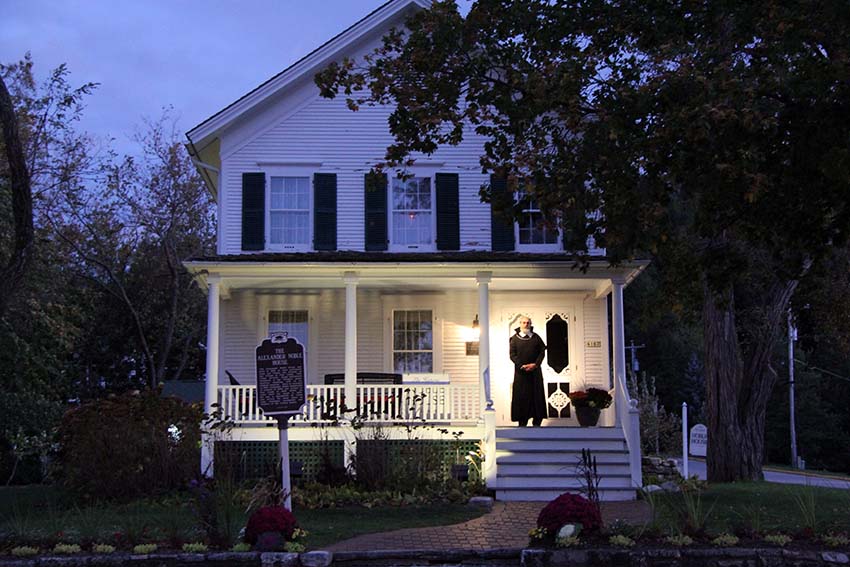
375	403
628	416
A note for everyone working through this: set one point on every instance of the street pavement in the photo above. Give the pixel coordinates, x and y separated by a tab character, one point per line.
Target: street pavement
782	477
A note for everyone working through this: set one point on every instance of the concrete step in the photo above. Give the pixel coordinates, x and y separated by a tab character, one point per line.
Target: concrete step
558	482
554	469
562	458
544	494
562	445
589	433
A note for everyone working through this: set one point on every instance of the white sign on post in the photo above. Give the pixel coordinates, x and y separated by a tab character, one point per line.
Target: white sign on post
698	440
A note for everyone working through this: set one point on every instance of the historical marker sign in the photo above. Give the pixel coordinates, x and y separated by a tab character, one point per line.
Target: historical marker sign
281	383
699	440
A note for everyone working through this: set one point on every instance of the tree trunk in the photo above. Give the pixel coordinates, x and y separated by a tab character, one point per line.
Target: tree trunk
12	274
738	383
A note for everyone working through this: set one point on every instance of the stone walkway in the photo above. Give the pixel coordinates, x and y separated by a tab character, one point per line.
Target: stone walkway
506	526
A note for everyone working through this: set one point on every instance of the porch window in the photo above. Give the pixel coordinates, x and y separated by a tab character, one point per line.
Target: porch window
532	230
293	323
413	341
289	212
412	213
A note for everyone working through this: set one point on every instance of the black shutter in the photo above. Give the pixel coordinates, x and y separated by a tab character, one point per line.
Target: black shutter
253	211
324	211
448	216
501	223
376	211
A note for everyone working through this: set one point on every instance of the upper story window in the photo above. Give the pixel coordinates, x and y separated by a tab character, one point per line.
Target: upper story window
289	213
412	213
533	234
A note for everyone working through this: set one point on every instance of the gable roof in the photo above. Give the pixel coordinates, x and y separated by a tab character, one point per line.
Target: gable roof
206	132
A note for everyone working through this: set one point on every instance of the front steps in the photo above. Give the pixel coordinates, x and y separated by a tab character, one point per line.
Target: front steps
539	463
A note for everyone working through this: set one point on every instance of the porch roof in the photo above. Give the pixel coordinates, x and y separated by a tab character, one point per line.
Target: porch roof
510	271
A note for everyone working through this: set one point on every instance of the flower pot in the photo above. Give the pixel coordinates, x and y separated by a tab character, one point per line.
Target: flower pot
587	417
460	472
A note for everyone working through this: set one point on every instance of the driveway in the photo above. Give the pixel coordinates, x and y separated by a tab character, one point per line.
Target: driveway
782	477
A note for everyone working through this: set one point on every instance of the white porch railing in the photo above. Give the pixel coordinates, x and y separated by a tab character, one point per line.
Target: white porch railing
390	403
628	416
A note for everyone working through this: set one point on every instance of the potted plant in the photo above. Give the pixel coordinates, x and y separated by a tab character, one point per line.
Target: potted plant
588	404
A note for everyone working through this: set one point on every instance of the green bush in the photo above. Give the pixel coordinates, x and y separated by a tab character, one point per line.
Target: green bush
129	445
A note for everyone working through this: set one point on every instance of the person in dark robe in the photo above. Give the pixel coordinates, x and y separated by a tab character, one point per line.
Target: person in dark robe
528	400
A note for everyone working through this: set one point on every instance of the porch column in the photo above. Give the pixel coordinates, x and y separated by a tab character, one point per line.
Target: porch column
627	412
619	338
211	384
351	279
483	280
488	467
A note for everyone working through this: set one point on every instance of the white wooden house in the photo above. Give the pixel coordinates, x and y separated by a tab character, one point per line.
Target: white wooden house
415	278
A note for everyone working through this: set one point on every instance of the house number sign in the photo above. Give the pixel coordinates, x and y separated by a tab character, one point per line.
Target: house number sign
281	383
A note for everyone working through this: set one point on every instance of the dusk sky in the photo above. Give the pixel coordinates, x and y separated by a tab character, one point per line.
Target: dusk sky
195	55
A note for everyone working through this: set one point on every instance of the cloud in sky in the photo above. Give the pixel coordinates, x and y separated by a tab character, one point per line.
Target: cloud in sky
195	55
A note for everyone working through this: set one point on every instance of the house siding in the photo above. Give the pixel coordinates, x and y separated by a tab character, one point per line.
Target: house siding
596	361
244	325
348	144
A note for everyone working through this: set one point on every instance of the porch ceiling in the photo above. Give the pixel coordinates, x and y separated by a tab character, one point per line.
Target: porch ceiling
414	277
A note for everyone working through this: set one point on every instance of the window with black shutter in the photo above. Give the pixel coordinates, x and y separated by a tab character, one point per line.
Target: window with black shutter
253	211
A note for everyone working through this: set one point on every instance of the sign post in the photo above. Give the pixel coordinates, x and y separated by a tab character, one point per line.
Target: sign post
281	393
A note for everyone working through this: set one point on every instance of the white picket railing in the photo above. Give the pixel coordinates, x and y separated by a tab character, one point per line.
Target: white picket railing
384	403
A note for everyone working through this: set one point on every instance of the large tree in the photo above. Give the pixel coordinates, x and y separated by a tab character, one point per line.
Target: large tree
714	135
126	237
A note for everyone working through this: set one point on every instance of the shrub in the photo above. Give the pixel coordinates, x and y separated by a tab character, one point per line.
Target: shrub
144	548
680	540
276	519
725	540
836	540
129	445
103	548
24	551
66	548
569	509
196	547
620	540
778	539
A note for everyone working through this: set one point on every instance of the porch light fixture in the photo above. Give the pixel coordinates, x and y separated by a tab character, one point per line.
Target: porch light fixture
472	346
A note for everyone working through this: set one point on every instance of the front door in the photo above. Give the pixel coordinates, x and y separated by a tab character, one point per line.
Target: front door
557	329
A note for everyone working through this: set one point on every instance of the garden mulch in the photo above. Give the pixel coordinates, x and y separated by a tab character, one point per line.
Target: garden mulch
506	526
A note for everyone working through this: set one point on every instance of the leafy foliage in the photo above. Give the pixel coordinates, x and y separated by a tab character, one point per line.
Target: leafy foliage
569	509
136	443
713	137
270	519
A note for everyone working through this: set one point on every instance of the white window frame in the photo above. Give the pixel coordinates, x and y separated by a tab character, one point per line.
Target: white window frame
289	172
393	303
548	247
267	304
413	173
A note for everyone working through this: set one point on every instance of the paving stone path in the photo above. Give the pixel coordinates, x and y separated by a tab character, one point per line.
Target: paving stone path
504	527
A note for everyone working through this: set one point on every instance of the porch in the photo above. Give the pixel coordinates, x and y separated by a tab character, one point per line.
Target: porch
418	319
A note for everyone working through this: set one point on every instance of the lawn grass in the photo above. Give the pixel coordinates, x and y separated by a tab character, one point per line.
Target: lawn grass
764	507
33	514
